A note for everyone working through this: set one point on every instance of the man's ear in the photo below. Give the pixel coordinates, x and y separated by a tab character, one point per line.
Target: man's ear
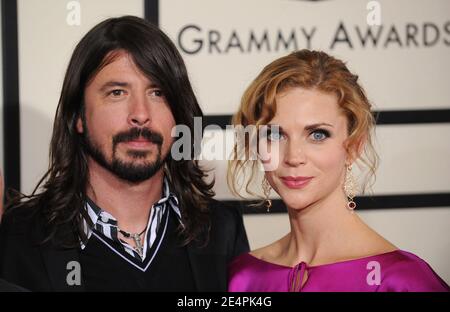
79	125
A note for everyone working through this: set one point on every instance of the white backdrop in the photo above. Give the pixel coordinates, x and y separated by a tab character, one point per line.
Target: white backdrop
399	72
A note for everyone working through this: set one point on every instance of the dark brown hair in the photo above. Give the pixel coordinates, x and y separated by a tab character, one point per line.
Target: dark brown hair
61	196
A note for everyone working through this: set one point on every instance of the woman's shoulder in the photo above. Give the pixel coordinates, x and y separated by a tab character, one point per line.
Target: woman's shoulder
250	272
405	271
240	262
241	271
246	263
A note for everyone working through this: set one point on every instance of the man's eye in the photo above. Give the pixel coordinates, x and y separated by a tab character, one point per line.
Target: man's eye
117	92
157	92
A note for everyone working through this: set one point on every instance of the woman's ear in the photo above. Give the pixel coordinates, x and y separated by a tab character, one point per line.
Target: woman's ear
355	150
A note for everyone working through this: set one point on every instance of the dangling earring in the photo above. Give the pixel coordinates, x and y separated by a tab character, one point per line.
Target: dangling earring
350	189
266	188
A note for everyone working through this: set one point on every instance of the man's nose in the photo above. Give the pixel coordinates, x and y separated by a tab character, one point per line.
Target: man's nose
139	114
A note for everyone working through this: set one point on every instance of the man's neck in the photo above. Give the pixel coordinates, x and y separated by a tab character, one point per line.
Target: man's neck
130	203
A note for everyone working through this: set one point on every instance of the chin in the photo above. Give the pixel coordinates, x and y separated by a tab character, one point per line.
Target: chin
295	202
296	206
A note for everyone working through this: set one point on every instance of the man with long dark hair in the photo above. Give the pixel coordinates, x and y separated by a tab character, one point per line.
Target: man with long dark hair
115	211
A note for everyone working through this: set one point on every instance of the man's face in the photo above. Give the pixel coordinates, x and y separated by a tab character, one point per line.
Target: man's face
127	121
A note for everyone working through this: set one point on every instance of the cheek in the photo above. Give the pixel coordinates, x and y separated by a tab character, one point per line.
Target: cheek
102	126
330	163
166	123
270	155
326	163
272	181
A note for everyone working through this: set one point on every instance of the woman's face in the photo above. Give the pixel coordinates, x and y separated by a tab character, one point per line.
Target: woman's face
307	154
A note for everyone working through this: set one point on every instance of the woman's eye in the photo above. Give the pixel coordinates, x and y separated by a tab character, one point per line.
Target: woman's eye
319	135
274	136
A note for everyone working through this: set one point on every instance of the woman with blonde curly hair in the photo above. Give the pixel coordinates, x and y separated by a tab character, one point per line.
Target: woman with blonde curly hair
314	122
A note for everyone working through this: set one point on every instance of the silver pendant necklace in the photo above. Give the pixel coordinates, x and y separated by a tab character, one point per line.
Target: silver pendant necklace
137	240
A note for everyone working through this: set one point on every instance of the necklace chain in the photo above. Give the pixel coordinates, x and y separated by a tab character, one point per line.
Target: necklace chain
128	235
137	240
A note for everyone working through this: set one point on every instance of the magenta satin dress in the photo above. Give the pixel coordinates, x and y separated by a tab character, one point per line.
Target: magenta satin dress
393	271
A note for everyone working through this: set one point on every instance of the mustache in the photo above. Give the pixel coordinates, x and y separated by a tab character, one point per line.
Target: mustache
135	133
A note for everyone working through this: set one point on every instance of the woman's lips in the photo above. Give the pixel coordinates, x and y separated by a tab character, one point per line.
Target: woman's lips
295	182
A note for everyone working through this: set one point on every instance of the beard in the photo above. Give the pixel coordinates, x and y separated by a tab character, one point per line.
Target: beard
130	171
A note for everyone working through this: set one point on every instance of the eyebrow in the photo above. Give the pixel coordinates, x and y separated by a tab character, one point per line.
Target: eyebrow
308	127
110	84
317	125
122	84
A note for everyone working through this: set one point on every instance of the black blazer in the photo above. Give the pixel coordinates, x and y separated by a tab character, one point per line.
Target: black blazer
8	287
40	267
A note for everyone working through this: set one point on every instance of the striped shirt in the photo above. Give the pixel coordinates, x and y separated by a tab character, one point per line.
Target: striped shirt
104	223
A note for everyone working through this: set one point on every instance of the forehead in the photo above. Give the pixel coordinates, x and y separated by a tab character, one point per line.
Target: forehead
307	106
119	66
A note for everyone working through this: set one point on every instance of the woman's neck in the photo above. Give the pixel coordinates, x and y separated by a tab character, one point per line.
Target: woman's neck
324	232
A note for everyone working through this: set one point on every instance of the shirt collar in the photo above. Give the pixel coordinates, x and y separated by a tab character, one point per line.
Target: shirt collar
95	212
170	197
